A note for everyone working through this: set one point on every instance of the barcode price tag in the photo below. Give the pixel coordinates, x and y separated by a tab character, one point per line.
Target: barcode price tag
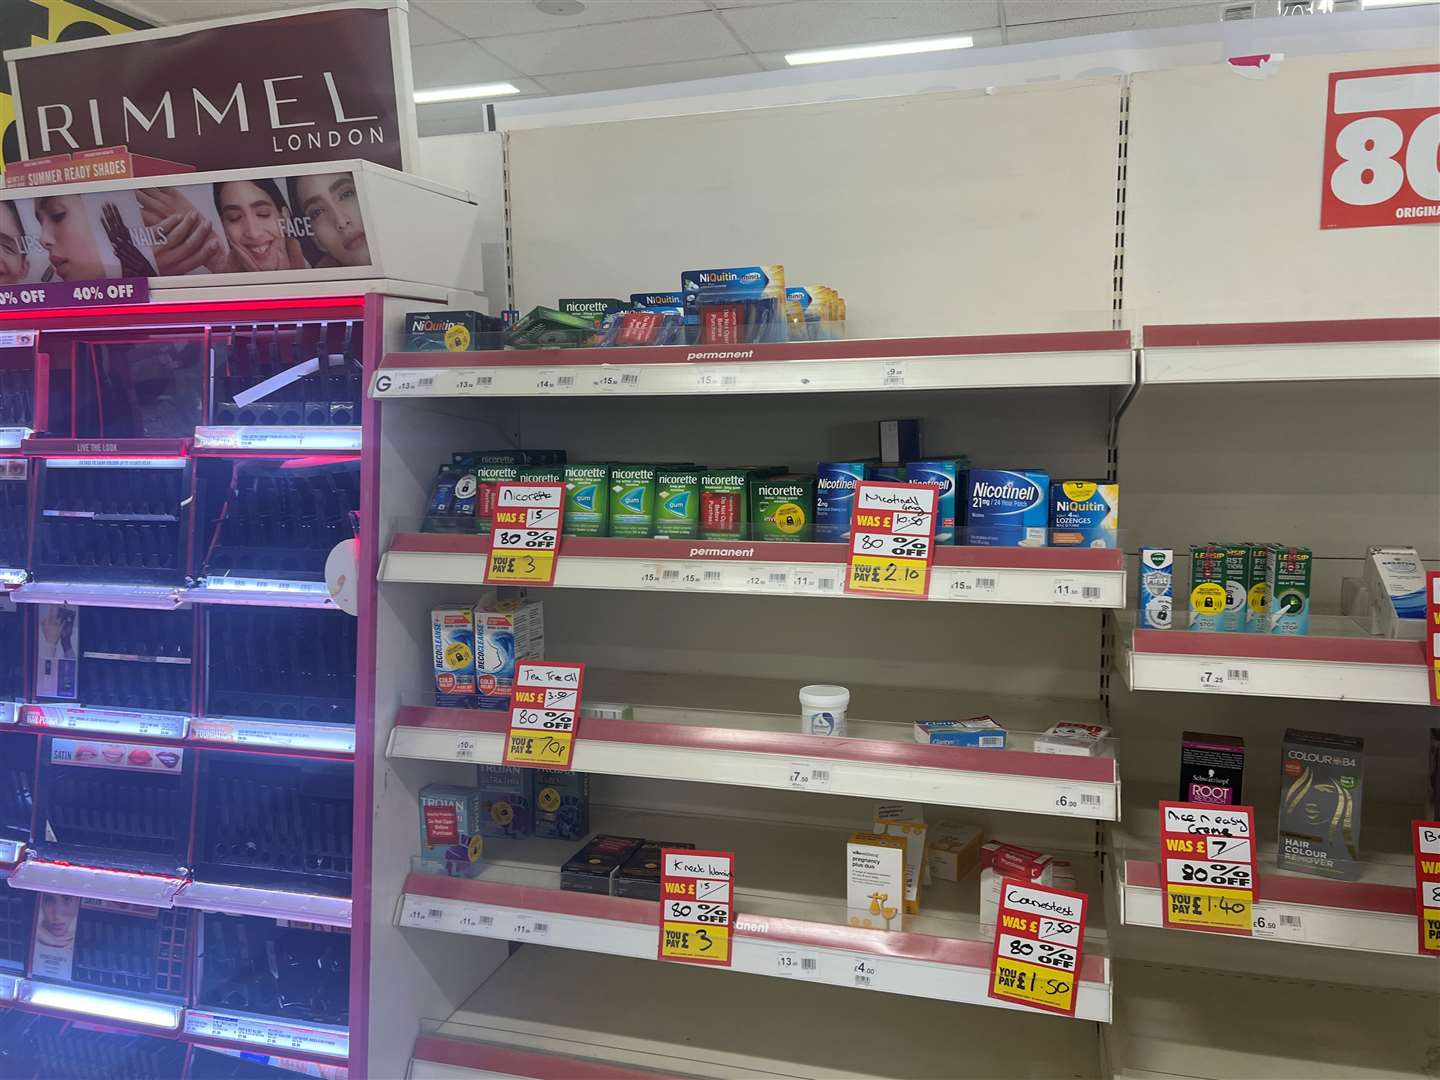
465	747
525	535
798	965
472	921
554	382
863	972
423	912
1039	940
804	776
892	375
1207	867
697	909
1072	800
544	715
716	380
470	381
1069	590
529	928
1278	925
617	379
892	540
1426	837
973	585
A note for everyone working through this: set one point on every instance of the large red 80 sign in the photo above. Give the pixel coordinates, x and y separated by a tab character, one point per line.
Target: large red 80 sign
1382	148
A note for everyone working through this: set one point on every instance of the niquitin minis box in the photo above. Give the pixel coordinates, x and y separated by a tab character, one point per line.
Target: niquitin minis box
783	507
1320	803
1211	768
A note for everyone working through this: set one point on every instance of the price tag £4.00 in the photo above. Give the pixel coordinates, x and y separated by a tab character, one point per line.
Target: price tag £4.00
1039	939
892	545
697	906
525	534
1426	835
544	715
1207	863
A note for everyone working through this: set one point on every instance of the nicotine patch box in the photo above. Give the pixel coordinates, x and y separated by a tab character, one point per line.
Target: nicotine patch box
1320	792
875	881
1212	768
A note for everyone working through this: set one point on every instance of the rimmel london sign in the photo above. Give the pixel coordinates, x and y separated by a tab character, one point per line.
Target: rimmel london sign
318	85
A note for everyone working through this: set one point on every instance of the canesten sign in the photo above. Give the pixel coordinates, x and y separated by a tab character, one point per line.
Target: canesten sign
318	85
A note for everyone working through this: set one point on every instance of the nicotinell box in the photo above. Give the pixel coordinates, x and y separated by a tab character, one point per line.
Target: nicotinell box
1320	803
944	476
1157	588
507	802
587	500
1395	579
450	819
1212	768
978	731
999	861
735	305
954	849
875	881
562	805
1084	513
677	503
835	499
1289	581
452	643
1207	586
783	507
506	631
632	500
1007	507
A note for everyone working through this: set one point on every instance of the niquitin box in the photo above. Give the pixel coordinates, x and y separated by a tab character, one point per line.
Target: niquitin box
1084	513
677	503
451	331
1320	803
639	875
592	868
1289	583
944	476
450	818
587	500
507	802
1007	507
1207	587
835	499
632	500
562	805
1157	588
1211	768
783	507
979	731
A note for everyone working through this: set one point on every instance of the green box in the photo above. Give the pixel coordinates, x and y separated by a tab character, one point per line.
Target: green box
1257	593
587	500
542	474
593	307
725	501
632	500
489	479
783	507
1207	587
1236	580
1289	577
677	503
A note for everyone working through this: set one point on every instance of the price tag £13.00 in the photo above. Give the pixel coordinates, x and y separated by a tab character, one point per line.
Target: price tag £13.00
544	715
1039	940
697	906
525	534
892	531
1207	864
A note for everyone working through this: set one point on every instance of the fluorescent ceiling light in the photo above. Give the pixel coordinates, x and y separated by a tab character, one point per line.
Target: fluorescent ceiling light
884	48
465	93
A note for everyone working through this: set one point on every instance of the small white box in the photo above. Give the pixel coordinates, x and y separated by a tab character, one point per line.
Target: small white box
954	850
1395	580
875	881
1077	740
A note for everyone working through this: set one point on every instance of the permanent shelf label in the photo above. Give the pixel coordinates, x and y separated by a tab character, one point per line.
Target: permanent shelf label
892	543
1427	884
525	537
1207	862
544	715
697	906
1039	939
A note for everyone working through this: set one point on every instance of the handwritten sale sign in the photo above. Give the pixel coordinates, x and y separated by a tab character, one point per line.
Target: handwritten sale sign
1427	884
697	906
1039	938
525	534
1207	856
544	715
892	540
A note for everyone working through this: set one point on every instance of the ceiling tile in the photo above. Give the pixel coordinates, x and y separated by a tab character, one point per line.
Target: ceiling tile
679	37
484	18
1151	18
1029	11
456	63
584	82
426	31
809	24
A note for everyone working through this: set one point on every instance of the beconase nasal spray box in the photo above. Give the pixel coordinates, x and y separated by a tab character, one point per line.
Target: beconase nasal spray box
1320	792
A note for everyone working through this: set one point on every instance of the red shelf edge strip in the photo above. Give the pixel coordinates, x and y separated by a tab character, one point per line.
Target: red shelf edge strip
1276	647
1317	332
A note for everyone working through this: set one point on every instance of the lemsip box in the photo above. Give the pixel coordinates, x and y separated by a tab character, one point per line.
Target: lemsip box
1289	590
1084	513
1320	803
1007	508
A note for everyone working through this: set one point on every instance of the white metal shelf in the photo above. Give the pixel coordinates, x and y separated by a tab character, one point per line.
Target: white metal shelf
1085	358
876	760
539	1016
1062	577
1335	662
789	901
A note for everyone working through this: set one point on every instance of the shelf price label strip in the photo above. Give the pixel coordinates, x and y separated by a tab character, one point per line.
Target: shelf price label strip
1207	864
1039	938
544	715
1426	835
892	545
697	906
525	534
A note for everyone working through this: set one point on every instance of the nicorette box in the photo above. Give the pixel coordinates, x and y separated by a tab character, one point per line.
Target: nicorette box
1084	513
1212	768
1320	791
639	875
507	802
1007	507
562	805
506	632
1395	580
592	868
944	476
835	499
632	500
1157	588
978	731
783	507
587	500
593	307
725	511
999	861
677	503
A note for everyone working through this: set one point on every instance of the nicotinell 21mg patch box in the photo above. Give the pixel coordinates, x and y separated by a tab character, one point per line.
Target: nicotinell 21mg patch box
1007	507
1157	588
1084	513
835	499
1320	803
